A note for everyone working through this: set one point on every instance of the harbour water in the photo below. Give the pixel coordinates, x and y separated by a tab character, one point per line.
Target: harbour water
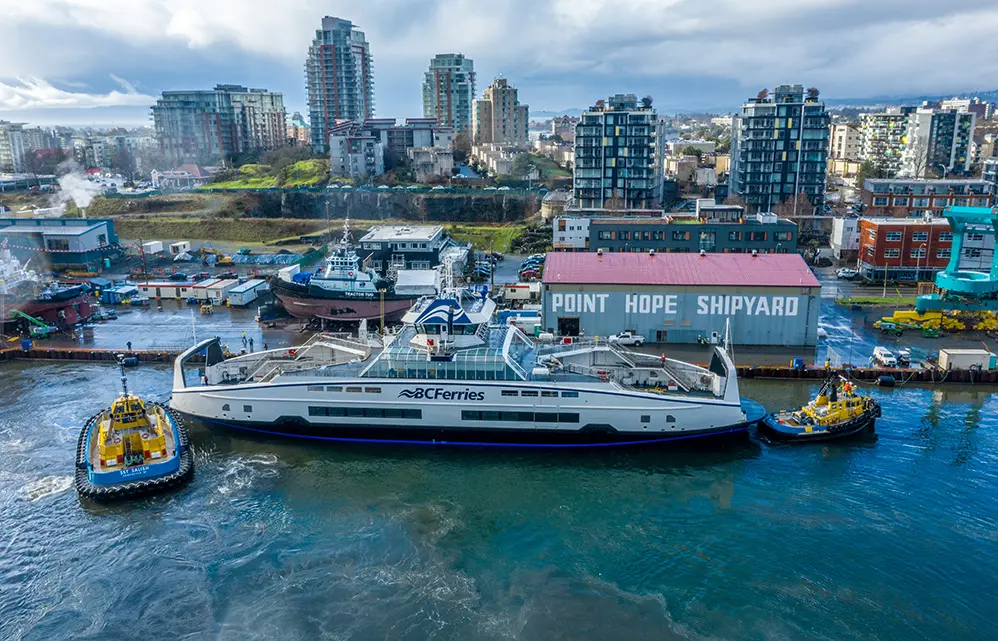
893	536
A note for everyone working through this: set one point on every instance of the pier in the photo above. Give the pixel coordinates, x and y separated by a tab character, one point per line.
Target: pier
769	372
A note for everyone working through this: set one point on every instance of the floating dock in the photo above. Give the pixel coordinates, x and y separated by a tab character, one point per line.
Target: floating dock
771	372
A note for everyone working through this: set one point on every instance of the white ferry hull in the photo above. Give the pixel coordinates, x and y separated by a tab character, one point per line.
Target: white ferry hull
462	412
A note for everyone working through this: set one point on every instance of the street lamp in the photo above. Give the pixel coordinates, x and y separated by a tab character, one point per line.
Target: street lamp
918	262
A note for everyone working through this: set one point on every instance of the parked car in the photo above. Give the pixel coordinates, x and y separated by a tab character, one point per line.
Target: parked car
200	276
227	275
884	357
529	274
627	338
847	273
179	276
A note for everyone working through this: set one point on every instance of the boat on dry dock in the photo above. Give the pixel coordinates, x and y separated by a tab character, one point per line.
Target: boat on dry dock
132	448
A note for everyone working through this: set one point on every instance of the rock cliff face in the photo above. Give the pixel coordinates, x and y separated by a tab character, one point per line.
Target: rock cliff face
468	208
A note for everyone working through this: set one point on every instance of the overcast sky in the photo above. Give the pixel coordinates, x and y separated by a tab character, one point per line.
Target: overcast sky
102	61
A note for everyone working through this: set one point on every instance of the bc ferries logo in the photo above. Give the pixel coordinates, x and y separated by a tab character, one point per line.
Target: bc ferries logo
433	393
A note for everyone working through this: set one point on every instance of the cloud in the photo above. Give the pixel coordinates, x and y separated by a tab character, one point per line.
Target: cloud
36	93
557	52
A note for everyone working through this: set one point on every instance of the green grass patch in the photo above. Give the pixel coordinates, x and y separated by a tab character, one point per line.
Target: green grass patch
879	301
487	238
306	173
548	168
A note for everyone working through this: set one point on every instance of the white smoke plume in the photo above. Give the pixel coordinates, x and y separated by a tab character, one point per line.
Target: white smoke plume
77	188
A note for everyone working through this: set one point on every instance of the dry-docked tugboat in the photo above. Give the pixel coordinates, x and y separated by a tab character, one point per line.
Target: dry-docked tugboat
833	414
132	448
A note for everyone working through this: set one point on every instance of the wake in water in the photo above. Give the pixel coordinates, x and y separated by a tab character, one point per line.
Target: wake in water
45	487
239	473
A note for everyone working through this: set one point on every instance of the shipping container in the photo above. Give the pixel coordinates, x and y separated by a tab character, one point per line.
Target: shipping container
180	247
153	247
966	358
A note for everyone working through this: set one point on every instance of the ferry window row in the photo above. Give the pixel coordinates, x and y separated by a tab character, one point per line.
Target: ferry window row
365	412
339	388
520	417
546	394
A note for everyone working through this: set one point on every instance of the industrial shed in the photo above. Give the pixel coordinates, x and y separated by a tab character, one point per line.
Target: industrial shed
771	299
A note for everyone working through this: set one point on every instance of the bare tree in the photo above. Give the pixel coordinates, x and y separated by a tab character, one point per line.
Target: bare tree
794	207
735	199
614	202
915	159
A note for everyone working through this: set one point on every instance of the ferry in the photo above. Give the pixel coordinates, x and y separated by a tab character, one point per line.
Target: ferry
831	415
131	449
451	377
344	289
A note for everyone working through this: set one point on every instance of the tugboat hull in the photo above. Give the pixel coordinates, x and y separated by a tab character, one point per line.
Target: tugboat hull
132	482
773	428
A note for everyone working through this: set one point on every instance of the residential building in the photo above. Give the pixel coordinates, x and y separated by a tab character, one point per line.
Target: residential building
618	156
390	247
339	79
916	249
938	143
92	153
779	149
989	174
227	120
298	131
983	148
564	126
11	147
845	142
681	168
722	121
882	138
185	176
762	233
904	197
430	162
844	168
499	117
353	153
499	160
844	239
37	139
449	89
415	133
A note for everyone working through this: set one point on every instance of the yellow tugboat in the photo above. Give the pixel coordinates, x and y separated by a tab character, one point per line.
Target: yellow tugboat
832	415
132	448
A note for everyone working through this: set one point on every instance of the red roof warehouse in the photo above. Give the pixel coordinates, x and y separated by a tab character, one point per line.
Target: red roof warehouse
766	270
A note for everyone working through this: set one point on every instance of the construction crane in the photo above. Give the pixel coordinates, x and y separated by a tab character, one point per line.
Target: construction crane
964	290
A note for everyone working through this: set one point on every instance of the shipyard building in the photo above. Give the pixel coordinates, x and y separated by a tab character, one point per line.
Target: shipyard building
771	299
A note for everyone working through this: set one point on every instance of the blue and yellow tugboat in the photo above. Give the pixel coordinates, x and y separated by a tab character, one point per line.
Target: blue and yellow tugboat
833	414
132	448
